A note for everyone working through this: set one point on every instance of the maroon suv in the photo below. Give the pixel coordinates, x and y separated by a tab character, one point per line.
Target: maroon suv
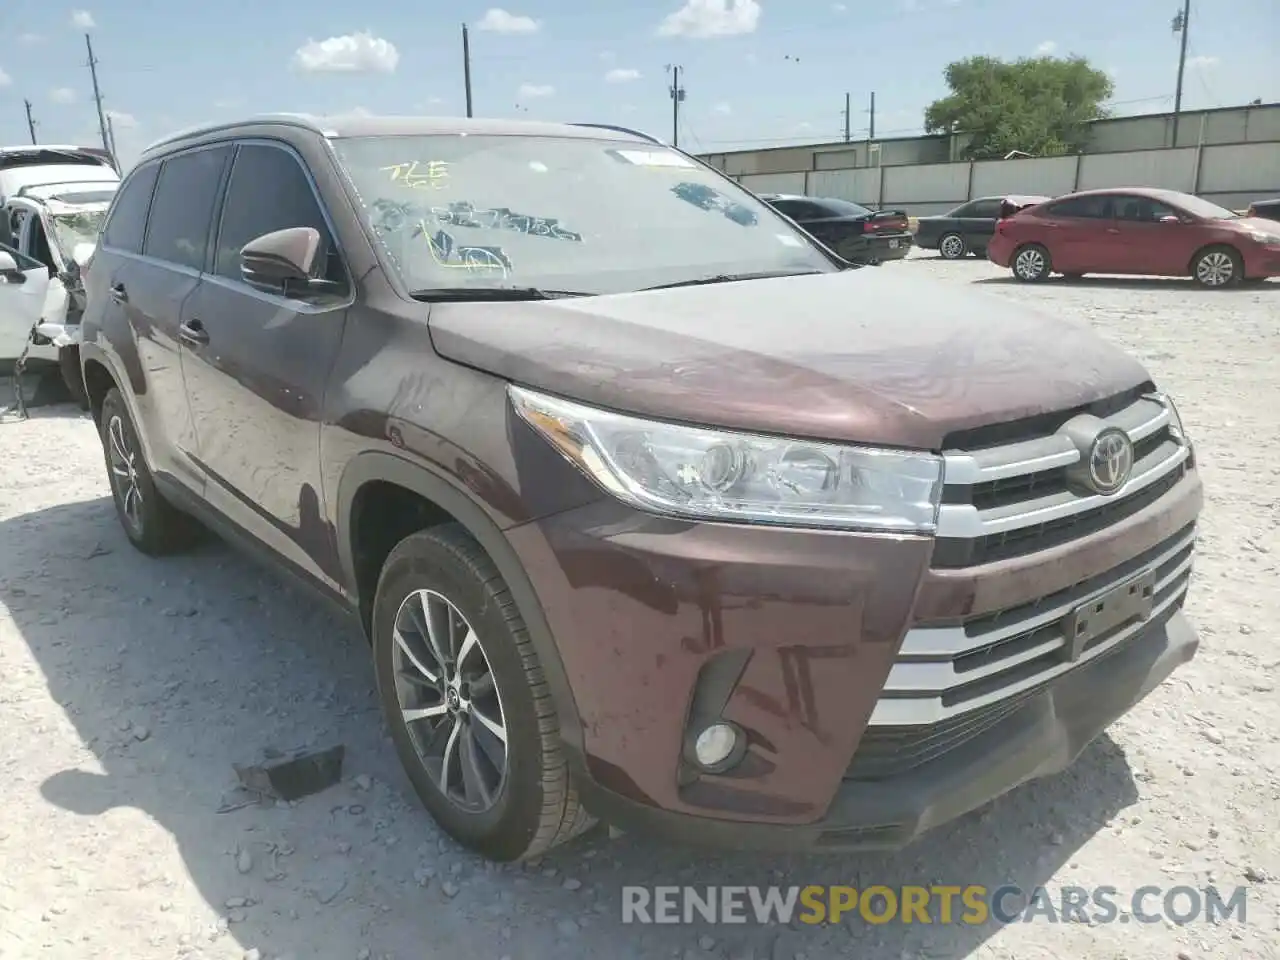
652	509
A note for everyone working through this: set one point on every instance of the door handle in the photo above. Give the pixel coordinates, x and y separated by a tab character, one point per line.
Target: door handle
193	332
1112	230
118	293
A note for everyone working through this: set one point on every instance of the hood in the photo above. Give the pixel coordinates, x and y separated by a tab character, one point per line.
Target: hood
873	355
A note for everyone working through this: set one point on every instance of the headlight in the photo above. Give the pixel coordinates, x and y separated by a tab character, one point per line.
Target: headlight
1268	238
715	474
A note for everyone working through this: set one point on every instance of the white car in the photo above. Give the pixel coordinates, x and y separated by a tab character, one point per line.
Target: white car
50	215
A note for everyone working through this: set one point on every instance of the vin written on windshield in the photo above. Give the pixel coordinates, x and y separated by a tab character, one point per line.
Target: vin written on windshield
562	213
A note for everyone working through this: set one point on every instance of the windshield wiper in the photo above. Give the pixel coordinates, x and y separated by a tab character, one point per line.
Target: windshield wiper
492	294
731	277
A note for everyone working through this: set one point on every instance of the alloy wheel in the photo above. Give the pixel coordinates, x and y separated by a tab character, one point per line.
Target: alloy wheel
124	472
449	701
1215	269
952	247
1030	264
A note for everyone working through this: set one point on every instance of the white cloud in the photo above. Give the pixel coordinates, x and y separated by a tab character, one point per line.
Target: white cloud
712	18
82	20
1046	48
497	20
621	75
353	53
1201	63
530	91
62	95
122	121
27	39
723	109
839	7
5	79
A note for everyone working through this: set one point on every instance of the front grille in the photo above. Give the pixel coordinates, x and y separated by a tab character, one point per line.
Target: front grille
1014	498
948	673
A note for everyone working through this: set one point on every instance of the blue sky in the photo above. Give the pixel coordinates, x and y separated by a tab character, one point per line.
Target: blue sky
755	71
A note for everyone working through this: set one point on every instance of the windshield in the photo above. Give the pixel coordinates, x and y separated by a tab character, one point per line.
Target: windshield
1205	209
76	227
584	215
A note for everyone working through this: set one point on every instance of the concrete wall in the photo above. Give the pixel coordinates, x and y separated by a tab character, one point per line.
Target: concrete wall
1232	175
1228	125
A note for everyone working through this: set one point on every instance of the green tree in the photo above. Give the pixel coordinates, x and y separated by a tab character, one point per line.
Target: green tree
1039	105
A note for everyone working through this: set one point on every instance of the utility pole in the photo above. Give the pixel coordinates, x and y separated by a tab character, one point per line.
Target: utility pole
677	98
31	123
871	133
847	111
466	66
1180	24
111	136
97	94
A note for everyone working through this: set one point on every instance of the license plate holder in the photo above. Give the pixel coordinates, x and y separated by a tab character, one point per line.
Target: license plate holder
1129	602
893	244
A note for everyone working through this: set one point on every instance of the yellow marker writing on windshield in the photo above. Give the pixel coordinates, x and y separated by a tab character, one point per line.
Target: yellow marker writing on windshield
419	175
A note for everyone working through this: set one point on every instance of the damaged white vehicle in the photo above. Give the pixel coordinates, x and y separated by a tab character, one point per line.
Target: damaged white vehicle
54	230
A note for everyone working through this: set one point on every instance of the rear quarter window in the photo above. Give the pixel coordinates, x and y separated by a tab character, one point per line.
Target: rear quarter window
127	222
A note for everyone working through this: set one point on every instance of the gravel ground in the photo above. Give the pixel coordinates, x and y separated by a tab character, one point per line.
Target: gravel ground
128	688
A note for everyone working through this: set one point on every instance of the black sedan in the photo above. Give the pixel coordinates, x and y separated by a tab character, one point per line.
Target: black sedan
968	228
1267	209
851	230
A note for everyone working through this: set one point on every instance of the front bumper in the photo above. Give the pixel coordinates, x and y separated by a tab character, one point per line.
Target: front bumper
1043	737
1263	262
794	635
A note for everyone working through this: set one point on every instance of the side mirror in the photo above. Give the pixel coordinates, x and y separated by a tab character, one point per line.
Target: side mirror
282	262
9	268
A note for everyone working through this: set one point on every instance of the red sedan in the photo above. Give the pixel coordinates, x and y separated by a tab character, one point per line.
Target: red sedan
1137	231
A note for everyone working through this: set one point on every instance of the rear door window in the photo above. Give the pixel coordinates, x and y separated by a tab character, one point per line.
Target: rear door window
269	190
983	209
127	222
1088	208
182	211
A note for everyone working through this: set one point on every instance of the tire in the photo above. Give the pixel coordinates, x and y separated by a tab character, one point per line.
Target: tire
1217	267
529	803
151	523
1031	263
952	246
69	365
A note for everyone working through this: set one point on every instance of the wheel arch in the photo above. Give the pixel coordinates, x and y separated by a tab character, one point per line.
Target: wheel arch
376	471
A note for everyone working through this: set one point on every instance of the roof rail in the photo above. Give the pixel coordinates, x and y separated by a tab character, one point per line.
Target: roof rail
617	129
305	120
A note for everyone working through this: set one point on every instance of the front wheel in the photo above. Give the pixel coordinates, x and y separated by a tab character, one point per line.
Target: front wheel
468	707
1031	263
1218	267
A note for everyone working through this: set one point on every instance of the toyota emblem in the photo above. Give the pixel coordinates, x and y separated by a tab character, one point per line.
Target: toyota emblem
1110	460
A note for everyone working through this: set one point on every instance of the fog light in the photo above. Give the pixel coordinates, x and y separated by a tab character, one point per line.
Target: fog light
715	745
